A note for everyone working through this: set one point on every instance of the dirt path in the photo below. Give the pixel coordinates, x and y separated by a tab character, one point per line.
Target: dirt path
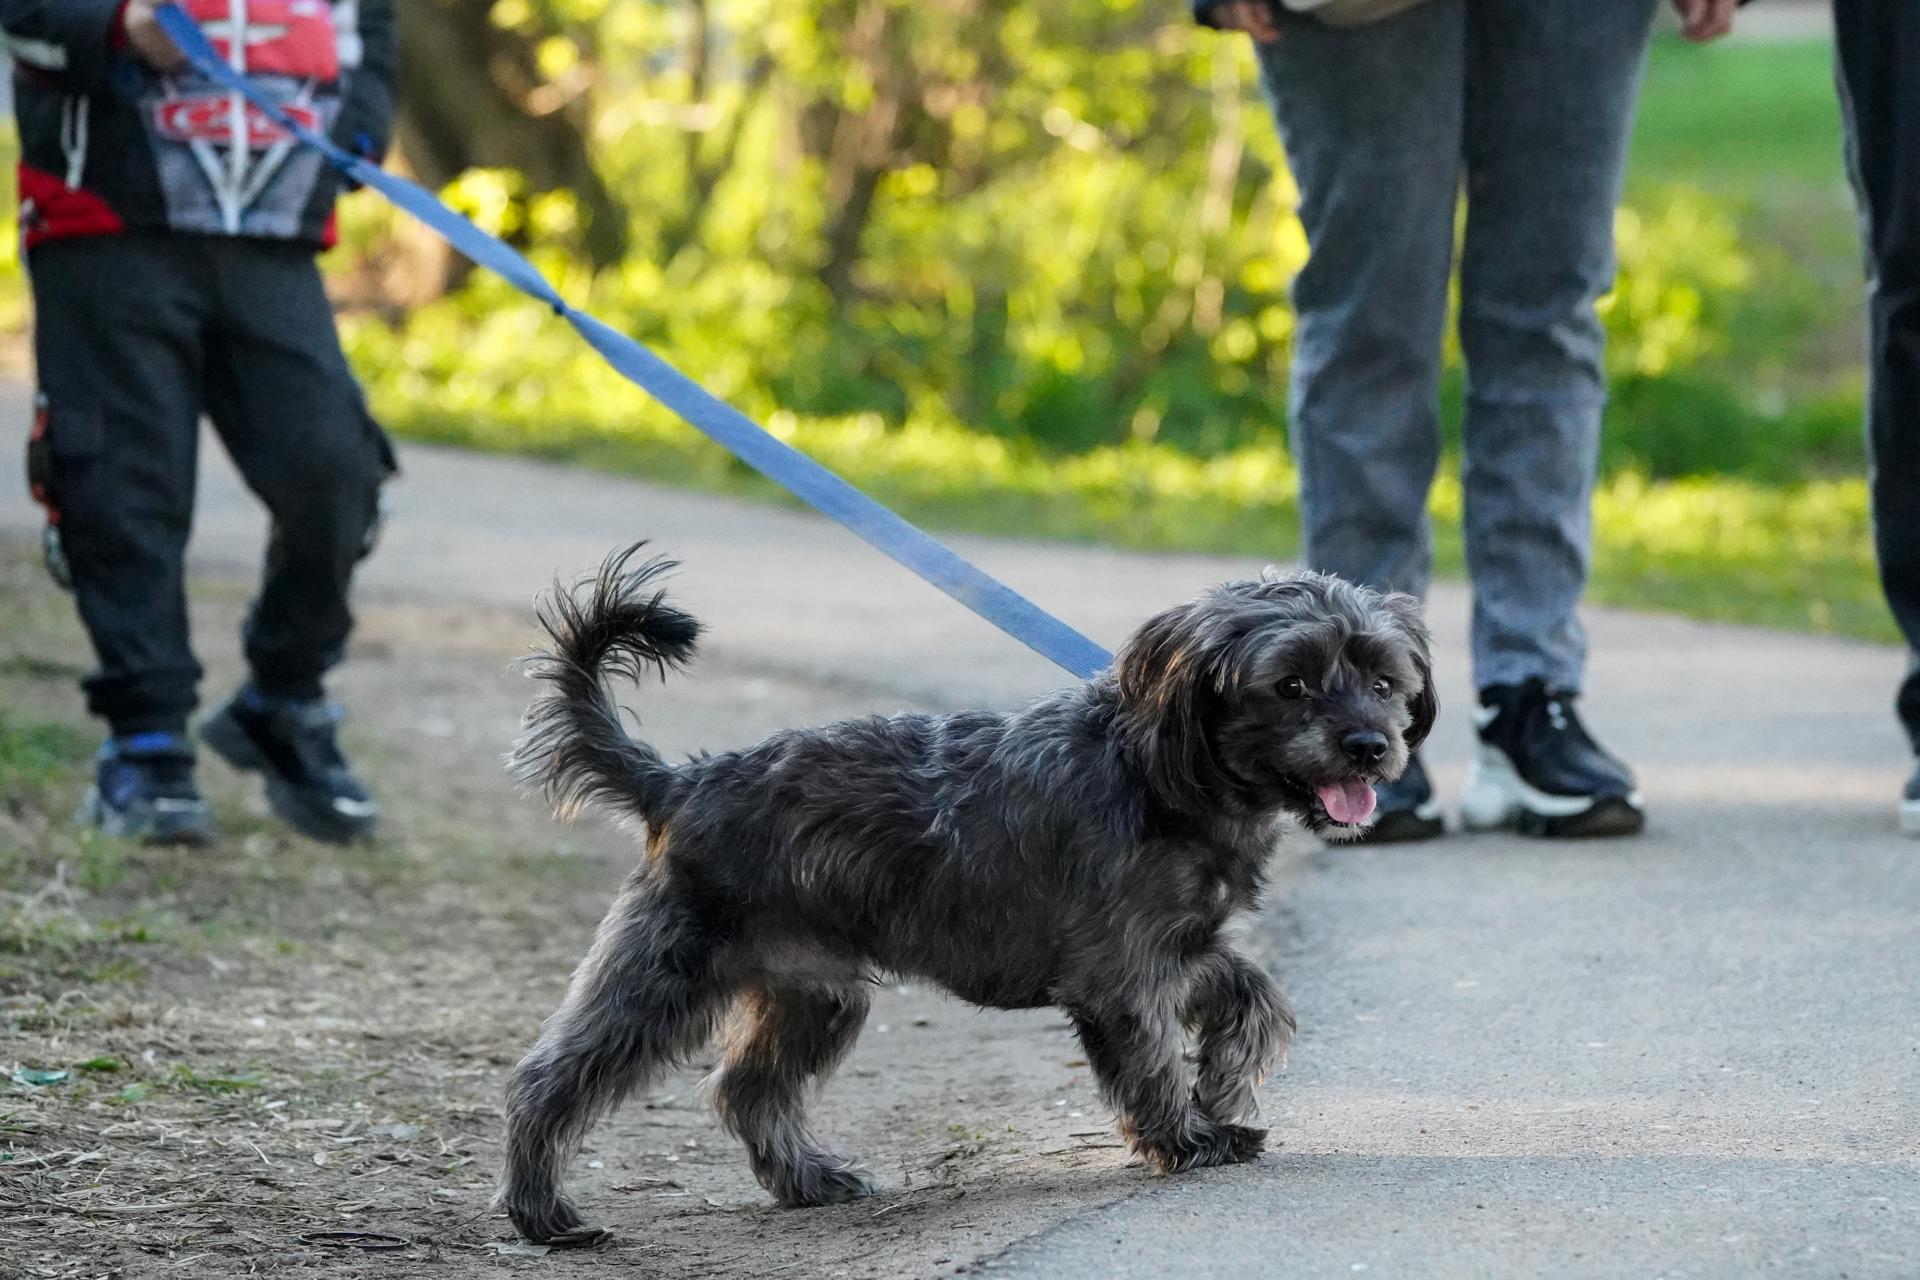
1687	1054
272	1038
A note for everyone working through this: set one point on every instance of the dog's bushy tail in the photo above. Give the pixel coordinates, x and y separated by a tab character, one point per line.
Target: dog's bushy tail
616	622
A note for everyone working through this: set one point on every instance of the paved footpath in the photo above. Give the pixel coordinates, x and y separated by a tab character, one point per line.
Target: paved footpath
1692	1054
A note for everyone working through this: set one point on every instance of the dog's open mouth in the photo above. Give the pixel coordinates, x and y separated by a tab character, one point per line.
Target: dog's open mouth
1348	802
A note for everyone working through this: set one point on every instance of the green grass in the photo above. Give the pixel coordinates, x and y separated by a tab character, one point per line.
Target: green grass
41	762
1739	118
1792	555
1756	128
33	753
185	1077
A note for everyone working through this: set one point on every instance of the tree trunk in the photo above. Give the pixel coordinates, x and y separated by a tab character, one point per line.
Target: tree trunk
471	97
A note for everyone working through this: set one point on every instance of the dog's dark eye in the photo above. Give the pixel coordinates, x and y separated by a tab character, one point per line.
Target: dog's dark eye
1293	687
1383	687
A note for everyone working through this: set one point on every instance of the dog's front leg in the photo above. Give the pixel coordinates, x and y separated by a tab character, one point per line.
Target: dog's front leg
1243	1025
1134	1050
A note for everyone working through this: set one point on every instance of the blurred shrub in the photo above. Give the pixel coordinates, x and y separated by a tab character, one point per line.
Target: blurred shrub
1054	225
1067	343
1050	298
1024	267
1068	227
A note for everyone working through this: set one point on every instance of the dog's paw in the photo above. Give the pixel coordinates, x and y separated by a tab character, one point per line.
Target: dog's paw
1205	1147
1241	1143
823	1184
554	1223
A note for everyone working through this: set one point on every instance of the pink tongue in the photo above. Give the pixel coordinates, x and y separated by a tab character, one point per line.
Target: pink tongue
1349	802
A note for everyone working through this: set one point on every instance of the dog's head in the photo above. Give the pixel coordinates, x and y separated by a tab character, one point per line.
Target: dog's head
1295	693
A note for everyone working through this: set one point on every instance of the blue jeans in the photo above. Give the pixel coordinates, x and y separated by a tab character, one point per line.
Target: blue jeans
1532	100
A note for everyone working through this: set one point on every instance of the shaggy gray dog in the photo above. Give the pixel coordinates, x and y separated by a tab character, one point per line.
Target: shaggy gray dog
1085	852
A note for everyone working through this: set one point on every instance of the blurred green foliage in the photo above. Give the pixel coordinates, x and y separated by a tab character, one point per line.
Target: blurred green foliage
1023	267
1069	226
1741	115
1066	313
1064	228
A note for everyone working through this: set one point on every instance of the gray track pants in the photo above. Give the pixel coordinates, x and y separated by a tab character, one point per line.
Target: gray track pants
1533	101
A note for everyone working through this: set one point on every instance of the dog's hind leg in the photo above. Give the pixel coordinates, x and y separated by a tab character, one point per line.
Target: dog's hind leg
785	1039
646	997
1243	1025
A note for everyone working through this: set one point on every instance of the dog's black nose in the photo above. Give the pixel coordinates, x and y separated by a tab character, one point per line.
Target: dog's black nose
1365	746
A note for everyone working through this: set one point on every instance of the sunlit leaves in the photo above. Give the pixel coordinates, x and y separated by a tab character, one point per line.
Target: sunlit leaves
1679	268
490	197
1081	230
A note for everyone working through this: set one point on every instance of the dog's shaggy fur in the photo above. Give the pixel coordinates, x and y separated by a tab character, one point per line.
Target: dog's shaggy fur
1083	852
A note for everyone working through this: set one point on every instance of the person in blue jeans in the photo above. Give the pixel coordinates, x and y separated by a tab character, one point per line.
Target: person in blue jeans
1528	105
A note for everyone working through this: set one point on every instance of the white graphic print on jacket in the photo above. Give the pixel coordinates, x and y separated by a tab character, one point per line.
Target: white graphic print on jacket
224	166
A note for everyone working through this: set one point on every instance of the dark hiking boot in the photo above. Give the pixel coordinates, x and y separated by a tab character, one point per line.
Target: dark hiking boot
144	790
291	743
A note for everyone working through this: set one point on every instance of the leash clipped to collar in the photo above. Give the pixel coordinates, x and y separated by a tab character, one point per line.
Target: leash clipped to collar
794	471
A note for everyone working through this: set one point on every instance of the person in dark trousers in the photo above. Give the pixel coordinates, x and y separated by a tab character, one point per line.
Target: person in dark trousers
170	234
1878	47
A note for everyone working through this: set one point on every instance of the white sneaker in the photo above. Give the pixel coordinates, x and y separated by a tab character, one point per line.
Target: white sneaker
1540	772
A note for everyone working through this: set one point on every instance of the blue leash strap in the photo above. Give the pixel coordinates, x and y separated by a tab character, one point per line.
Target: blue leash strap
786	466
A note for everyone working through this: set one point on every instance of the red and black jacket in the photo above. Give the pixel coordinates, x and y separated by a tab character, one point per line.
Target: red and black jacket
109	145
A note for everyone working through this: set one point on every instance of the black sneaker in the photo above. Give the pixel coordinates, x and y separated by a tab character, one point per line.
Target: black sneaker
1910	804
1539	771
291	743
144	790
1407	809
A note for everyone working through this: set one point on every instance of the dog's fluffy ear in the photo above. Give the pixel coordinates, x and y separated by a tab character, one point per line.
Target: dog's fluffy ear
1410	616
1161	679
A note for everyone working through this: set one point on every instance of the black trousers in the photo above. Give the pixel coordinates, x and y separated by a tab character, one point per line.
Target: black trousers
135	337
1879	72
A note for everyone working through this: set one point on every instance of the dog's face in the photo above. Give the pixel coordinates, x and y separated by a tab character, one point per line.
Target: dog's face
1291	694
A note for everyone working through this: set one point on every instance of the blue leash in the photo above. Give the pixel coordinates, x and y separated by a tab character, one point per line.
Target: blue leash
794	471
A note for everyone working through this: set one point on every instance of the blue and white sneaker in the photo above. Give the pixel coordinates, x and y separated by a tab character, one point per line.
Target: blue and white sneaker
291	744
144	790
1540	772
1910	805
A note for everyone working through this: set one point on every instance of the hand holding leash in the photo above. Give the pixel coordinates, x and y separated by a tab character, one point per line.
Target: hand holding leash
148	42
